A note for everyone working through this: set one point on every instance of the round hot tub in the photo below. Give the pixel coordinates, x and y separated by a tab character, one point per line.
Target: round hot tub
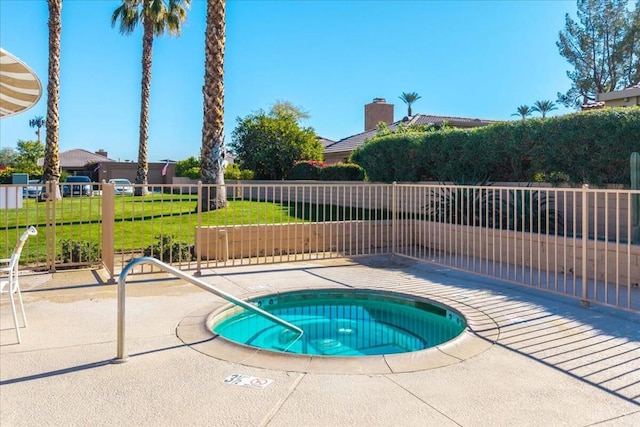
341	323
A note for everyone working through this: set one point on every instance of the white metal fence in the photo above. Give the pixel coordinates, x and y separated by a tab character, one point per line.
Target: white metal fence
529	236
579	242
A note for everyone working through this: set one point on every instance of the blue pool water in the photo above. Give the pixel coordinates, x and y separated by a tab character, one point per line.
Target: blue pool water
343	323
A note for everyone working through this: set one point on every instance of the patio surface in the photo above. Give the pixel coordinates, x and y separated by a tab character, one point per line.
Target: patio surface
528	358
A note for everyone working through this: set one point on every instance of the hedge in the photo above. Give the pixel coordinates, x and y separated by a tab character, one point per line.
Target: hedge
306	170
319	171
591	147
342	172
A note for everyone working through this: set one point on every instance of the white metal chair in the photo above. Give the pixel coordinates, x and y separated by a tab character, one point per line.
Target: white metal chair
9	283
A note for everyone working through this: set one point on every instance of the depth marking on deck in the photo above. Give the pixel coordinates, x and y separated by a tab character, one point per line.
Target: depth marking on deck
247	381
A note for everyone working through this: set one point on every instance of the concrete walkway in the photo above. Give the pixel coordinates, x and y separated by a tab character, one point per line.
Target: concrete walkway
545	361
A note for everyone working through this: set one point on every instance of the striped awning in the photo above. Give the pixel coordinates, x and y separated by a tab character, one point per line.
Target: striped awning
20	88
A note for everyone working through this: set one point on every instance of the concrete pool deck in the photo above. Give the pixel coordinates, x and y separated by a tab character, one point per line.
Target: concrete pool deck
535	359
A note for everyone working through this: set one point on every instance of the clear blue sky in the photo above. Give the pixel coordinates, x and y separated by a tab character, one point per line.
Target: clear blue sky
479	59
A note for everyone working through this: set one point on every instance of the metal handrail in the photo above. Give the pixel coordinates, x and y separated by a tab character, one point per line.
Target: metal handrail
121	357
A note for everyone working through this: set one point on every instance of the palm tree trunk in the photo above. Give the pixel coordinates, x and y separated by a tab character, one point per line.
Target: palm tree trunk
143	163
213	150
51	157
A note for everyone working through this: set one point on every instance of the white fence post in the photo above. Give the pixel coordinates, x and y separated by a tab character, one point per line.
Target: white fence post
108	227
199	233
394	219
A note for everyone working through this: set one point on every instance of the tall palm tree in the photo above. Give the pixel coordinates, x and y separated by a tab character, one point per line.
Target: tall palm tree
409	98
51	167
213	150
37	122
543	107
156	17
523	111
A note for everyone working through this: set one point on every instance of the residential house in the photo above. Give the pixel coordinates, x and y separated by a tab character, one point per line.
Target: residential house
379	111
618	98
98	166
79	161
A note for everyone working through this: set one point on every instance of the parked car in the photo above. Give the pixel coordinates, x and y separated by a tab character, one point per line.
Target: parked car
122	186
77	186
33	190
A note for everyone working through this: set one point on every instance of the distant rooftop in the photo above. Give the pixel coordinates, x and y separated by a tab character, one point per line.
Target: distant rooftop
626	97
352	142
325	141
78	158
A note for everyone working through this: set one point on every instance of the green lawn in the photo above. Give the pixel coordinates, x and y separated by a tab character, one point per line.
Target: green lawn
140	220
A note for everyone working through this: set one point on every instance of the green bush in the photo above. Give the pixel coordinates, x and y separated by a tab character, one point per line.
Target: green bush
531	211
189	168
6	175
193	173
342	172
233	171
168	249
79	251
519	209
246	174
394	157
306	170
587	147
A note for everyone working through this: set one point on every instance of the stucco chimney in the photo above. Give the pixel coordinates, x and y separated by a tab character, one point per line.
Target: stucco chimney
377	111
101	152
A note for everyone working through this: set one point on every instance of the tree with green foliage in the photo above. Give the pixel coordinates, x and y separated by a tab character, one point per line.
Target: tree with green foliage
27	159
8	156
631	44
543	107
603	48
409	98
286	108
156	18
37	122
523	111
270	143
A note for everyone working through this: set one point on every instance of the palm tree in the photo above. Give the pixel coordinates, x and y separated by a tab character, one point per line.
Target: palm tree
543	107
409	99
37	122
213	151
156	17
524	111
51	167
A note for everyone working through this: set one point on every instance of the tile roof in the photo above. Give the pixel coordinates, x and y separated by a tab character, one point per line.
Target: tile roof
593	105
352	142
78	158
325	141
